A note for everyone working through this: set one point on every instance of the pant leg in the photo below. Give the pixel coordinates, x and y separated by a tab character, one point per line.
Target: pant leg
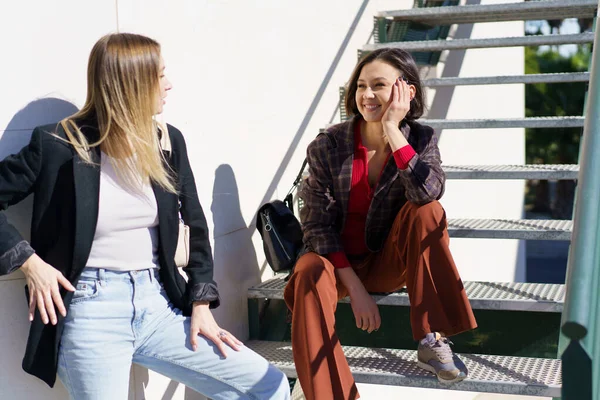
164	346
96	347
417	254
312	297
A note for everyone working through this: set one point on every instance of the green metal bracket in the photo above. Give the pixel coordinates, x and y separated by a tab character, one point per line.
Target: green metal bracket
254	319
268	320
387	30
563	340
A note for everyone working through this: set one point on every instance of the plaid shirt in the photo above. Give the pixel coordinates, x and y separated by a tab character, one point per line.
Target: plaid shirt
326	191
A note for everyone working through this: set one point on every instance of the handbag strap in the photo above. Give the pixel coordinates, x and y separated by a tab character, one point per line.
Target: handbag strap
299	176
165	139
165	145
304	163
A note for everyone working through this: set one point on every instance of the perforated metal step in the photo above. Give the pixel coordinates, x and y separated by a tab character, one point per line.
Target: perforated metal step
535	122
565	77
532	171
507	296
493	374
532	10
486	80
532	122
529	229
461	44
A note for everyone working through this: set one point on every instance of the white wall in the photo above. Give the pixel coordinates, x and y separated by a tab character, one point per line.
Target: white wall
44	51
501	199
253	83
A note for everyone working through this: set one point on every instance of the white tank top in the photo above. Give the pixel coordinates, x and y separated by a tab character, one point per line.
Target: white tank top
126	236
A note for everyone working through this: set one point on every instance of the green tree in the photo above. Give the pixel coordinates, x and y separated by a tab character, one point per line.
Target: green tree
554	146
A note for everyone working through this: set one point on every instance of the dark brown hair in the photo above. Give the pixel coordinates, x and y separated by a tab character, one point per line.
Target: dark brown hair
402	61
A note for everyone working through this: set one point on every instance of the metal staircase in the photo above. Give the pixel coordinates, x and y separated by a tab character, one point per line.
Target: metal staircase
488	373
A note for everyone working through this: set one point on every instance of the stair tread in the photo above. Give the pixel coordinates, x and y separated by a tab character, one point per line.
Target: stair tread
492	123
527	171
508	296
499	228
460	44
487	373
561	77
538	10
571	121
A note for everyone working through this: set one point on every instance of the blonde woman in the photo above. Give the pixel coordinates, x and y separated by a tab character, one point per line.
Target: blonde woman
102	286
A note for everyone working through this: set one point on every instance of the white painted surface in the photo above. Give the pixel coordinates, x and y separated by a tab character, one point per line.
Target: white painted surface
14	383
253	83
486	198
44	53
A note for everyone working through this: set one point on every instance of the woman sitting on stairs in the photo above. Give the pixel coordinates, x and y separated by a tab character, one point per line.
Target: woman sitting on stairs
372	223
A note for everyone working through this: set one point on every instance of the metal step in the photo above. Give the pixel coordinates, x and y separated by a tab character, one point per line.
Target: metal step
506	296
531	122
532	10
526	229
529	171
493	374
534	122
532	171
564	77
459	44
508	79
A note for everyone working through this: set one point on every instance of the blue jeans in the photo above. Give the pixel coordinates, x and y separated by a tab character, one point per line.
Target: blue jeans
117	318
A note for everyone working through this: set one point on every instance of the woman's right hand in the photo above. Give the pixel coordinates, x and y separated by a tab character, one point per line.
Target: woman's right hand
366	312
398	105
43	280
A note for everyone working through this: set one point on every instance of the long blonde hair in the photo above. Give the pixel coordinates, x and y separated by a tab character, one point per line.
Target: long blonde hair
122	92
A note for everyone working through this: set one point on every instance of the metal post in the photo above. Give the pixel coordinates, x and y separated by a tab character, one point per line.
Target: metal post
581	319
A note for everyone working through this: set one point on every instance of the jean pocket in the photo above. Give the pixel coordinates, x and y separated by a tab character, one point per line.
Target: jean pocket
86	290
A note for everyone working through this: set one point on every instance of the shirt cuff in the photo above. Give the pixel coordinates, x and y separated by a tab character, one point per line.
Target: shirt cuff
403	156
205	292
15	257
338	259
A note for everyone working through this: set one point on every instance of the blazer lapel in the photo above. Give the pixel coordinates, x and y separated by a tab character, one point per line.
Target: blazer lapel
389	174
341	164
87	191
165	202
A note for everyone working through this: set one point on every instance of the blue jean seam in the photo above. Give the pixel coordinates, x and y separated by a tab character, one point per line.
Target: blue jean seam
201	372
67	374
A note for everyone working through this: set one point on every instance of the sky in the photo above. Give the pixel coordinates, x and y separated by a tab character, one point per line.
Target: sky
569	26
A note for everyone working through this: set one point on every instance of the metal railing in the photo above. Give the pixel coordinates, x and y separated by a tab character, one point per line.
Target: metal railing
581	317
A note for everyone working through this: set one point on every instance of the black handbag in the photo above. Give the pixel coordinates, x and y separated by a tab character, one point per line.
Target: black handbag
280	230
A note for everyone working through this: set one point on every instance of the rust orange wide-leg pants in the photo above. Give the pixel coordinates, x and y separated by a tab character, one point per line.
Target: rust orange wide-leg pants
415	255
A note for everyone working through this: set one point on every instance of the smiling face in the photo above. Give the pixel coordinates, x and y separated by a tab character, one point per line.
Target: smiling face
374	87
164	85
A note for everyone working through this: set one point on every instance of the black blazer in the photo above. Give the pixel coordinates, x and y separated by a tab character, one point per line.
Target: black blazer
65	212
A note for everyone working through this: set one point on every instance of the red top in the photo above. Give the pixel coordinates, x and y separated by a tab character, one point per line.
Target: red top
361	195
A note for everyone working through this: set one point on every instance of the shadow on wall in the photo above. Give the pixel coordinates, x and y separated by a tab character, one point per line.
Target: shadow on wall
235	262
236	267
16	136
443	95
440	105
287	157
38	112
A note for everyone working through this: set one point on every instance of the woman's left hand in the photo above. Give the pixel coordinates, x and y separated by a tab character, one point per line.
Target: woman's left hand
203	323
398	105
